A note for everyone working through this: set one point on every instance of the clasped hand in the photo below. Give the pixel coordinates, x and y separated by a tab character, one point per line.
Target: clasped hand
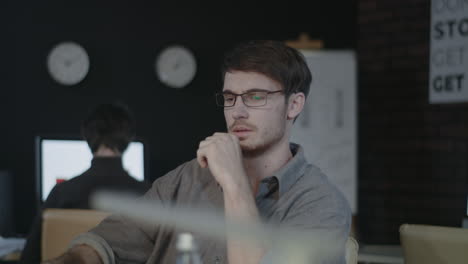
222	154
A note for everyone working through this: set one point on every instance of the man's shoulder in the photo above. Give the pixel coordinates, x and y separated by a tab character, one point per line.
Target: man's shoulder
316	184
313	176
64	192
178	184
318	201
188	170
70	184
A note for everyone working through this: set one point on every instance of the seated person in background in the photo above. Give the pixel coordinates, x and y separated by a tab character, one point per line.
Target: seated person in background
108	130
252	172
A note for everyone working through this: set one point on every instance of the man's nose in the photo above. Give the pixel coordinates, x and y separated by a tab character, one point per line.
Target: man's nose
239	110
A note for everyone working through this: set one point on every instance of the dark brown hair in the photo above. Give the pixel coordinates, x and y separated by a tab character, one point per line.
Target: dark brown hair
111	125
273	59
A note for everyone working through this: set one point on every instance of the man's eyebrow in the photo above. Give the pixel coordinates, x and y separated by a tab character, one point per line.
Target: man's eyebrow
247	91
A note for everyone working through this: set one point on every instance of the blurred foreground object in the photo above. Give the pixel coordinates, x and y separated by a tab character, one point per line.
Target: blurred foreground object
187	252
287	245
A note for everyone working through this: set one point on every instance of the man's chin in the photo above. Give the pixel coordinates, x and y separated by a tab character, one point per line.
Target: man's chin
245	145
250	149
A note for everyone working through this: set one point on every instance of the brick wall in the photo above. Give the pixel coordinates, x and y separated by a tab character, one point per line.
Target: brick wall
412	155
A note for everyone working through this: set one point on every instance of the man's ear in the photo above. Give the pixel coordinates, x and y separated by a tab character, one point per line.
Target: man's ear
296	103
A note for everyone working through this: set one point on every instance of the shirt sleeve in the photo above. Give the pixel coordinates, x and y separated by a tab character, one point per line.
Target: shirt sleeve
119	239
97	243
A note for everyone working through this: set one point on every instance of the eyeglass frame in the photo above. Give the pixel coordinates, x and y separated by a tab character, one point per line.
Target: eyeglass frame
242	94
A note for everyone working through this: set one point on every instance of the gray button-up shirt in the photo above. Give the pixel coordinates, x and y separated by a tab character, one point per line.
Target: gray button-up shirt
298	195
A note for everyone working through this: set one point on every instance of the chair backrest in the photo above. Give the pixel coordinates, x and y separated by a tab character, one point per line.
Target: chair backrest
60	226
352	249
434	244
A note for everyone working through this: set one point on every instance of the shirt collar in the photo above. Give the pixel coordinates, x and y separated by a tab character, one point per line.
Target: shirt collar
106	163
292	170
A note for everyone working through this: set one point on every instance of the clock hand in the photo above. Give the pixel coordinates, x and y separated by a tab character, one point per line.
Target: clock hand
70	61
176	65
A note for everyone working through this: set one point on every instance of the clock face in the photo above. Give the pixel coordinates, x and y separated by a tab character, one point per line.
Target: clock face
68	63
176	66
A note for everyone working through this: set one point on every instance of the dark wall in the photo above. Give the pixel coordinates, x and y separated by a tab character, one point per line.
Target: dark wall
122	39
412	155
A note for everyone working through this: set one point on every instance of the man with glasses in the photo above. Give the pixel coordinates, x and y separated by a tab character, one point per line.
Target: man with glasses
252	172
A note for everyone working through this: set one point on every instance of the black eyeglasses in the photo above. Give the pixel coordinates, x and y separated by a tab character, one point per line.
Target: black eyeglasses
252	98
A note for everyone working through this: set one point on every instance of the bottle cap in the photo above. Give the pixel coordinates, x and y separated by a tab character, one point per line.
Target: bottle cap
185	242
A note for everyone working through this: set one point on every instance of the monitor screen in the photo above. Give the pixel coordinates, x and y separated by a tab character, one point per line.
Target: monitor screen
62	159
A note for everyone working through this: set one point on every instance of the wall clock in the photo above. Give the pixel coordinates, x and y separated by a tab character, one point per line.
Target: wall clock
176	66
68	63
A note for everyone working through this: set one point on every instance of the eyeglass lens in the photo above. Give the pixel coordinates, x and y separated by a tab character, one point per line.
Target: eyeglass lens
255	98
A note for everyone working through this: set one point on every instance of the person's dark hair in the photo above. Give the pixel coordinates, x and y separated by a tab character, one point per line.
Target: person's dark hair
273	59
111	125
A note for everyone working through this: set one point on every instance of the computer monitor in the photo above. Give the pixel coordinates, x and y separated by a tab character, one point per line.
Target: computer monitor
60	159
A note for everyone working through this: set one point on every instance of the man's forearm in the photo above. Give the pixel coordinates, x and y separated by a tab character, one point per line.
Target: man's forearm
240	204
222	154
80	254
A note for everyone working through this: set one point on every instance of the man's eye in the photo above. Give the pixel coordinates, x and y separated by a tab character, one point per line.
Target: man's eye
256	96
228	99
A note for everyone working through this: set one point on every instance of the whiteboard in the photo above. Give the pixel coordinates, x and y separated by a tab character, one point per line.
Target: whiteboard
326	128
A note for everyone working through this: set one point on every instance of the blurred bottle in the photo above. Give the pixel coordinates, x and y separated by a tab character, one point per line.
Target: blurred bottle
187	252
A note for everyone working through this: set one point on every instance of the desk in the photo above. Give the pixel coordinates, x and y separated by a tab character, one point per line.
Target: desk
381	254
12	258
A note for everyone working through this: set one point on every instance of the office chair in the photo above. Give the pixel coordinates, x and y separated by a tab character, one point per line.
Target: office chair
60	226
352	248
434	244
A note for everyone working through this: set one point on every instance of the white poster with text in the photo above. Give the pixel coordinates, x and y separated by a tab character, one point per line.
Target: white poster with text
449	51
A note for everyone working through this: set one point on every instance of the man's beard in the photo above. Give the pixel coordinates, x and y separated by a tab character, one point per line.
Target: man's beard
255	150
